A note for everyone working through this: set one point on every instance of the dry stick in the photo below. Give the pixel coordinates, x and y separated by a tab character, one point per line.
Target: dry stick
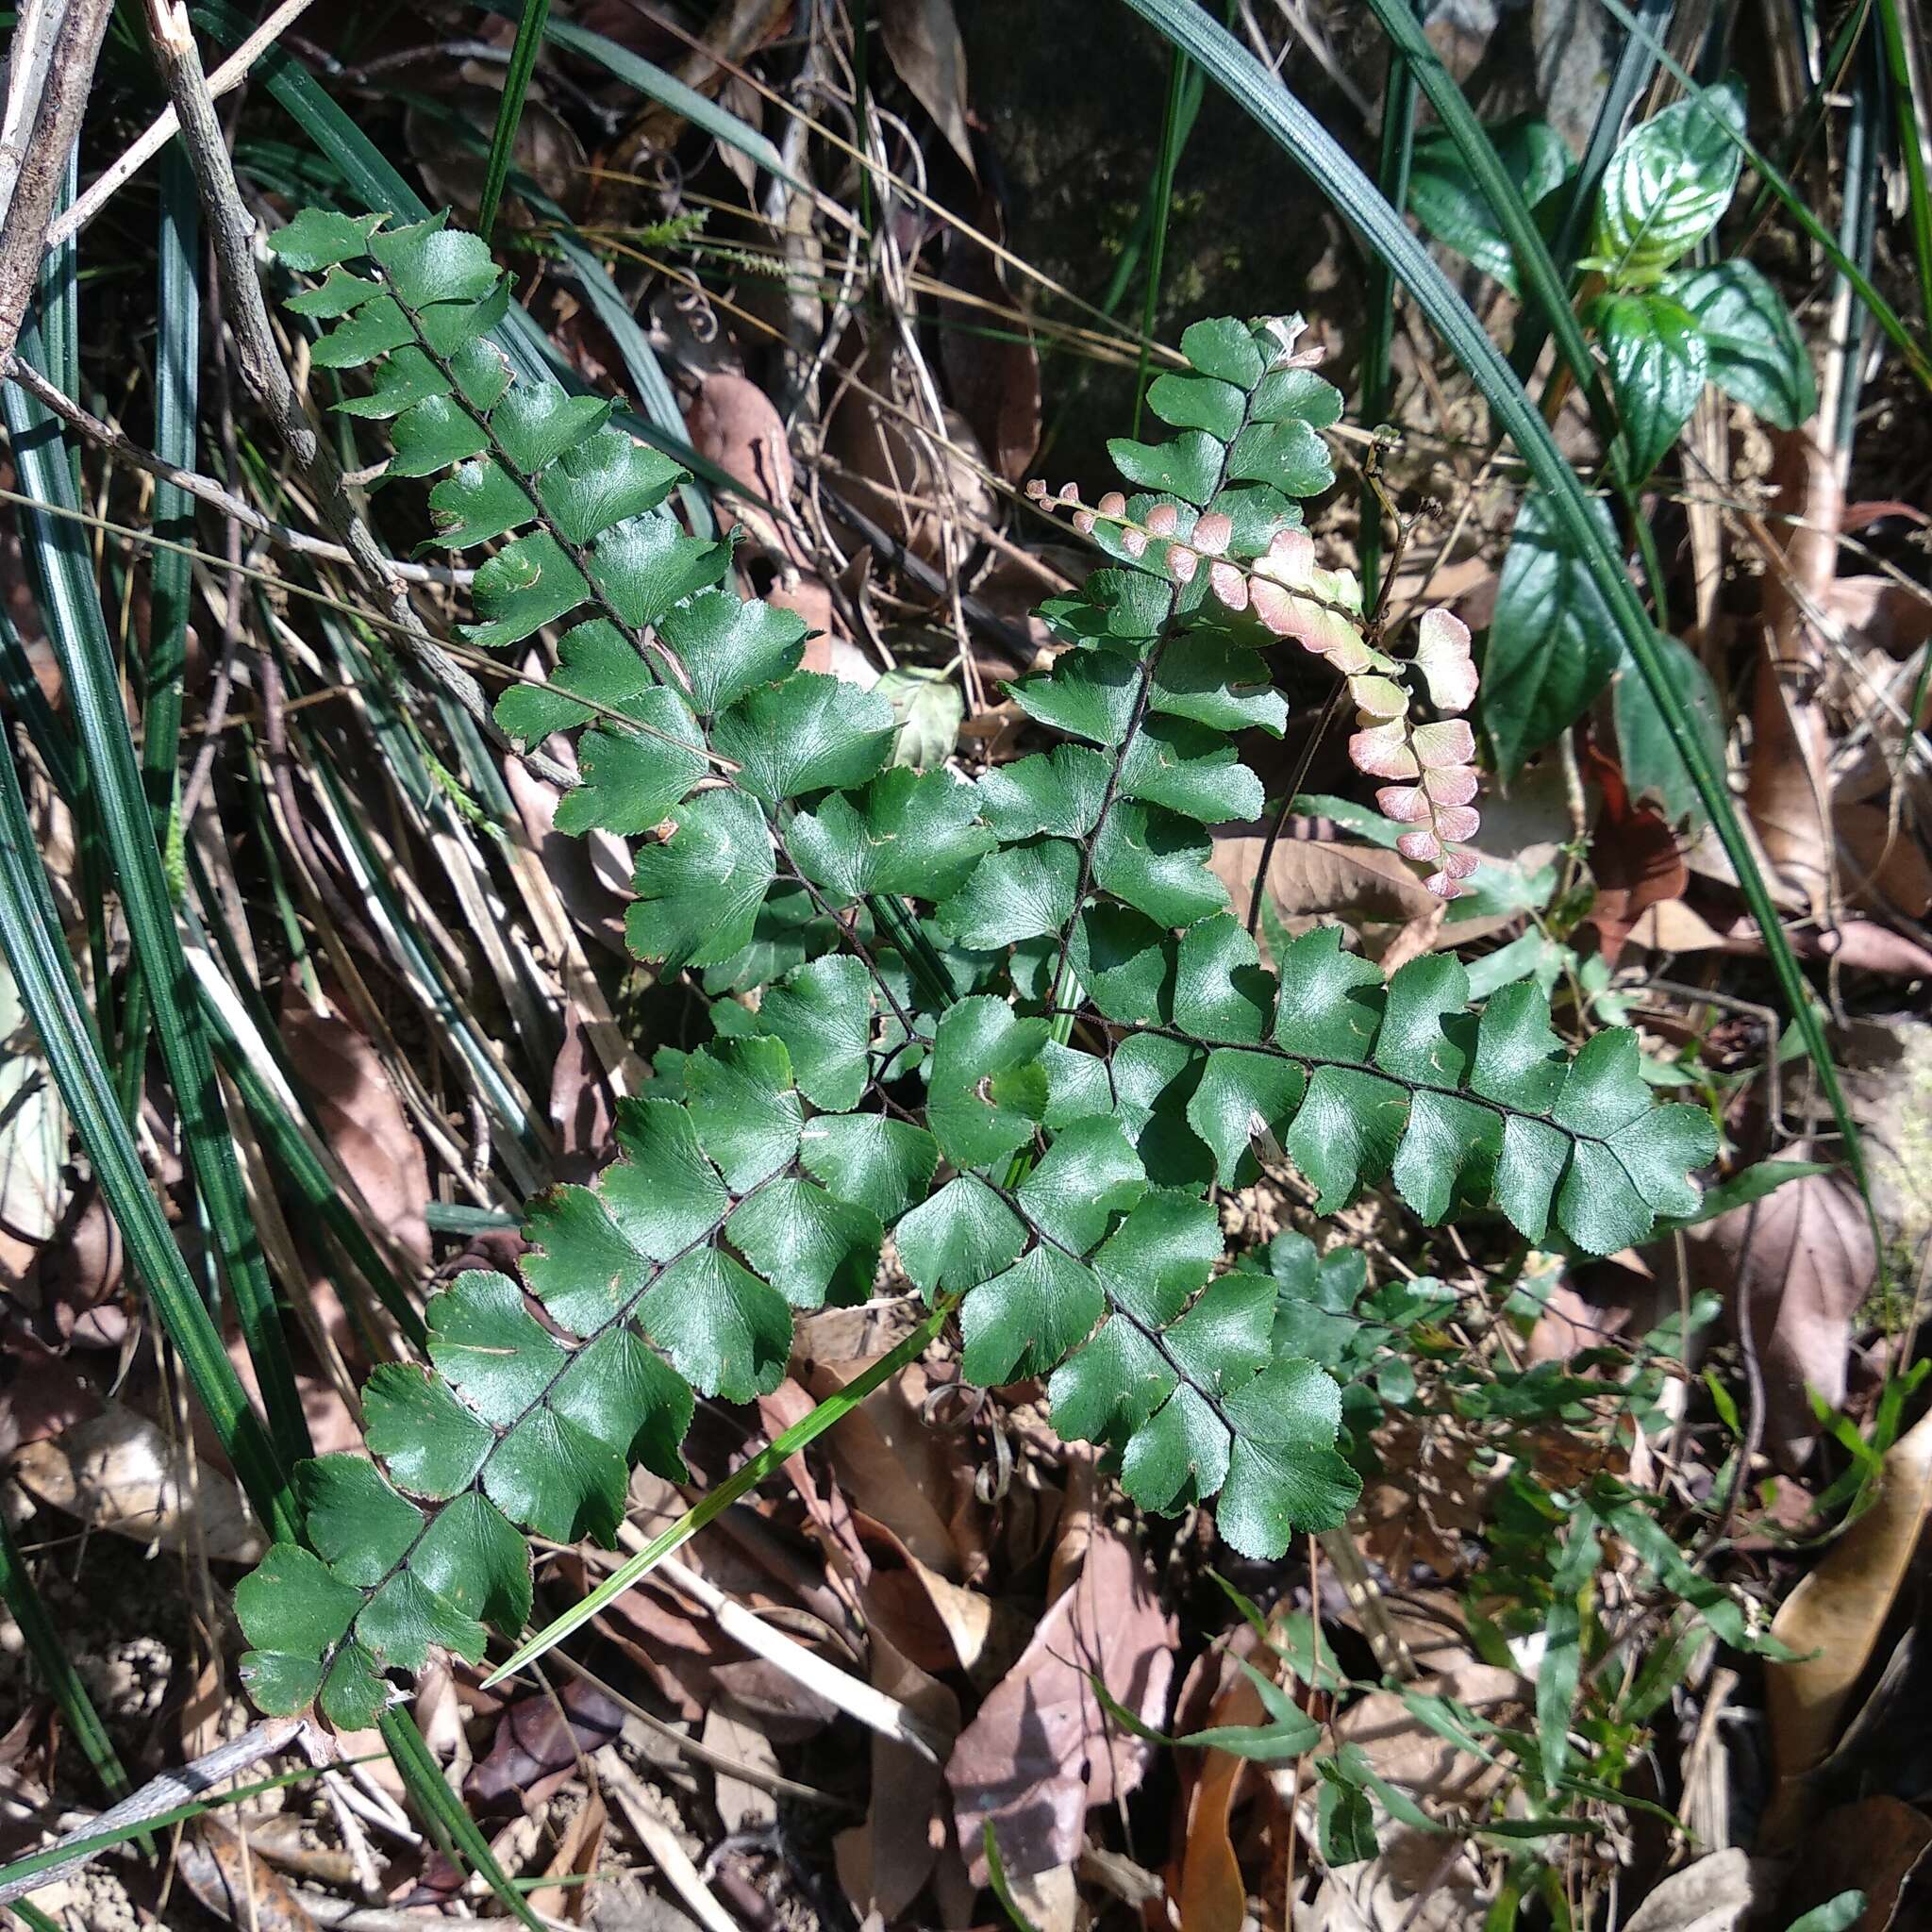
232	232
43	150
225	79
204	489
164	1793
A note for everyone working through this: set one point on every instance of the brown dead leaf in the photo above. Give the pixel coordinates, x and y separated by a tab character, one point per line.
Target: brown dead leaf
1310	879
734	425
1836	1615
1796	1265
1715	1893
361	1117
1872	1846
539	1742
923	41
1041	1751
1634	857
118	1471
1882	868
1212	1892
234	1883
576	1857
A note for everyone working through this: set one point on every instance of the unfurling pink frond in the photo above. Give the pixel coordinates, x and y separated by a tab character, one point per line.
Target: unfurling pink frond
1382	751
1229	586
1161	519
1213	532
1181	562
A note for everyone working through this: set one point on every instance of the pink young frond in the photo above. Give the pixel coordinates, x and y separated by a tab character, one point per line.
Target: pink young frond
1383	752
1162	520
1112	505
1422	845
1181	563
1228	584
1442	654
1448	742
1452	785
1213	532
1404	804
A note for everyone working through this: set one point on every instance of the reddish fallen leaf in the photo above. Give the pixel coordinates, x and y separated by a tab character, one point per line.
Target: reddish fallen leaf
1634	857
733	423
235	1884
1041	1751
537	1744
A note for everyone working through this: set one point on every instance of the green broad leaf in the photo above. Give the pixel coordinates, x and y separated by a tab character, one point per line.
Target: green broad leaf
1221	992
405	377
1189	466
361	337
1023	1322
1553	642
536	422
1152	1078
699	892
619	1391
594	1246
289	1604
1125	962
1224	1339
870	1159
1297	393
646	564
1520	1063
477	1563
476	502
1222	348
1450	1155
1755	355
489	1348
1346	1133
1198	401
431	1445
1078	1084
1667	185
318	238
729	646
337	293
433	435
429	261
406	1619
726	1332
1161	1256
632	781
355	1692
1088	694
1218	682
1331	1002
1291	1732
1157	862
1021	892
1057	796
1750	1184
989	1089
281	1685
808	733
1344	1818
1088	1176
1288	456
1242	1098
1108	1390
807	1243
1652	766
1284	1476
1189	769
742	1104
930	708
957	1238
357	1524
527	584
597	663
1659	366
908	832
602	480
824	1013
1448	202
1427	1036
450	327
1571	1588
1179	1456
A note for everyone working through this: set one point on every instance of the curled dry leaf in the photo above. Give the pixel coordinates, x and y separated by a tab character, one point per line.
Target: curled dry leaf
1711	1894
234	1883
118	1471
1796	1265
1041	1751
1836	1615
734	425
923	41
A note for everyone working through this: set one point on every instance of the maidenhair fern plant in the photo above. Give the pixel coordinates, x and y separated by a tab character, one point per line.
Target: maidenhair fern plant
1010	1026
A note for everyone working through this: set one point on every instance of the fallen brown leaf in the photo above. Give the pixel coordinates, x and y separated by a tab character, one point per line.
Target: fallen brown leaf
1041	1751
923	41
1796	1265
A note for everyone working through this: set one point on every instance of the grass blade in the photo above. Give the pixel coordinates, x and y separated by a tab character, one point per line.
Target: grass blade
56	1667
1161	205
46	976
740	1482
509	110
78	631
1911	140
1311	146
